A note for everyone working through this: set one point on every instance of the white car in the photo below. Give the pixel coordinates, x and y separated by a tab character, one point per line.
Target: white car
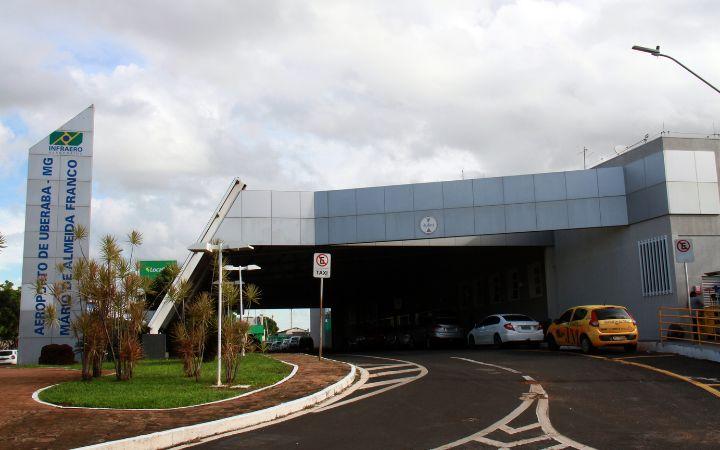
8	356
499	329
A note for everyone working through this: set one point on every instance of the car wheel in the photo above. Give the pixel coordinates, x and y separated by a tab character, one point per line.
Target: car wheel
585	345
631	348
552	344
471	341
497	340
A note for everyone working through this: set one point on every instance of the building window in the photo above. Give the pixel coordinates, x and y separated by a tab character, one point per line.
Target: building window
495	288
513	284
535	276
654	266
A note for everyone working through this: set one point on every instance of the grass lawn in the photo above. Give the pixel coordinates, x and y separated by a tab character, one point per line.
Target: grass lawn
162	384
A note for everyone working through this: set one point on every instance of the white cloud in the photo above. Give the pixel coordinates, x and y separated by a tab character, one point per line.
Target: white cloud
326	95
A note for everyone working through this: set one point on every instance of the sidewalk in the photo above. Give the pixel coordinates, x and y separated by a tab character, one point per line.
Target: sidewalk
26	424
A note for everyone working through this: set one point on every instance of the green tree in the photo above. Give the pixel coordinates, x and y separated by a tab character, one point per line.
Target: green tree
161	285
271	326
9	312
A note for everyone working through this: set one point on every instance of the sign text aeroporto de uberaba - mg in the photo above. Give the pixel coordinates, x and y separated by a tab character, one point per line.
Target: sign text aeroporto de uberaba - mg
59	190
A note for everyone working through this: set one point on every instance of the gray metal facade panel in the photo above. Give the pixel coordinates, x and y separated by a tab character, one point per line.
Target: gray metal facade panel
427	196
342	203
489	219
584	213
520	217
518	189
680	166
307	205
634	176
320	204
552	215
683	197
399	198
256	203
550	187
230	230
460	222
457	194
370	200
438	215
613	211
488	192
285	204
371	228
322	233
256	231
654	169
611	181
709	200
399	226
581	184
343	229
307	232
705	167
286	231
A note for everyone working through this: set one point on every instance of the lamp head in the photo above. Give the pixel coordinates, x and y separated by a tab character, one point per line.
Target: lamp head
655	51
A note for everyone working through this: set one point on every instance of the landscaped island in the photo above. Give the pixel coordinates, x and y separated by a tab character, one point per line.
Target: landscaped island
161	384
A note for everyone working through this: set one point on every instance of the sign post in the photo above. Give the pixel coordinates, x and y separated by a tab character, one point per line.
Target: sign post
321	269
685	253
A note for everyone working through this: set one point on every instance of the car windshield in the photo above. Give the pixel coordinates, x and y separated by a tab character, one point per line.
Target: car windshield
517	318
5	352
447	320
611	313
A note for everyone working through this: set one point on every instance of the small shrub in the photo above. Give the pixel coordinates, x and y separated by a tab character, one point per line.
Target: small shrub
57	354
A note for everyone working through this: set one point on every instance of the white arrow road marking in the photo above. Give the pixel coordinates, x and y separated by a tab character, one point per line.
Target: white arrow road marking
549	433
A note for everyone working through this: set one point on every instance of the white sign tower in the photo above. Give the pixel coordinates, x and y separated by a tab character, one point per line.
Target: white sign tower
59	188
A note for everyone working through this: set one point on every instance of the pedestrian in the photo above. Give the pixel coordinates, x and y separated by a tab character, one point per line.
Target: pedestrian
696	311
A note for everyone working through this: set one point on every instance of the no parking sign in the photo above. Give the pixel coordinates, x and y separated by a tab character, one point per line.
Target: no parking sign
684	250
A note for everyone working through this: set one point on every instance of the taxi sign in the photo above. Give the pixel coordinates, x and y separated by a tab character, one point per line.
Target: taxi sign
321	265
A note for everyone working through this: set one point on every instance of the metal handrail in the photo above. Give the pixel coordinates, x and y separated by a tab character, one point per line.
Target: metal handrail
699	326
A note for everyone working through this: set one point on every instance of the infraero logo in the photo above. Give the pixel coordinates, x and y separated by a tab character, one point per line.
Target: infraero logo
68	141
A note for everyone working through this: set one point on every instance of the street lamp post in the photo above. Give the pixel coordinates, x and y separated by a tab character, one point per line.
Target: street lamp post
219	247
240	282
656	52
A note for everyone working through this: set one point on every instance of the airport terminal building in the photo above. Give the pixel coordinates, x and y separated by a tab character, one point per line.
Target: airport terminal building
533	244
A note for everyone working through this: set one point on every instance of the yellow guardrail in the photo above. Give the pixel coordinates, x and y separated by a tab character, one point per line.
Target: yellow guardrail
697	326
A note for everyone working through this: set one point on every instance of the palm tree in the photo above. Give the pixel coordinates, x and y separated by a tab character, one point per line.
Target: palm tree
2	242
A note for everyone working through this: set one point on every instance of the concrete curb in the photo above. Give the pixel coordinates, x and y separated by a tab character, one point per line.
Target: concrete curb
176	436
708	352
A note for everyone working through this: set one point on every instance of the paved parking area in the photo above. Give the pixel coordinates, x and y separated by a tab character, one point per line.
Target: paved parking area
521	398
26	424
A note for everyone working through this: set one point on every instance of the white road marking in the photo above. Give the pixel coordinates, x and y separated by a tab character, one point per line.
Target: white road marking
393	372
389	384
535	394
381	383
389	366
486	364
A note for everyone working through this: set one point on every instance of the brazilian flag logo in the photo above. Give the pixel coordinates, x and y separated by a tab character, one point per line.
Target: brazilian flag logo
67	138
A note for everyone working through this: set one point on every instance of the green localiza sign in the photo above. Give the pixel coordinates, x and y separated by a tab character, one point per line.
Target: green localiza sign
151	269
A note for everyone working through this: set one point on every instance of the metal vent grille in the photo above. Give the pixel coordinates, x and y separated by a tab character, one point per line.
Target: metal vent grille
654	266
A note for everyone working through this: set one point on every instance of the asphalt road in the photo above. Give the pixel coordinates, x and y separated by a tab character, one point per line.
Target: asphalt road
491	398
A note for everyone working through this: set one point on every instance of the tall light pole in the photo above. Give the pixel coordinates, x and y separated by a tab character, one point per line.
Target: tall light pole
240	282
209	247
656	52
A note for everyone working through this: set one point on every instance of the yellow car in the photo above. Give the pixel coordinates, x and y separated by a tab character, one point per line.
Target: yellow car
594	326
